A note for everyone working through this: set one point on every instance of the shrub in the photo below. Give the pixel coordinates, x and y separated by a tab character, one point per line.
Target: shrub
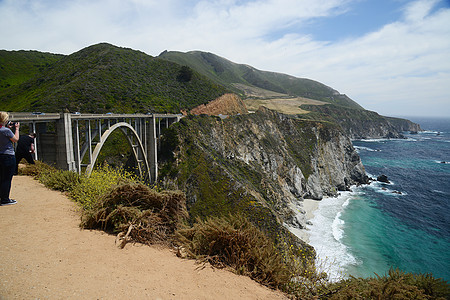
147	215
36	169
102	180
395	285
60	180
51	177
235	242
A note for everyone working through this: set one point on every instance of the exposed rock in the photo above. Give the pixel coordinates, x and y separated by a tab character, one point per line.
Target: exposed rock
228	104
383	178
268	157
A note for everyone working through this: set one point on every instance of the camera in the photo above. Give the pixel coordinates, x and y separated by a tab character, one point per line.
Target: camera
11	124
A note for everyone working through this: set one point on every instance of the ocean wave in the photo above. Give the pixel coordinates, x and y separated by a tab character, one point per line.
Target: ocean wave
384	140
326	235
337	226
358	148
440	192
429	132
374	140
381	188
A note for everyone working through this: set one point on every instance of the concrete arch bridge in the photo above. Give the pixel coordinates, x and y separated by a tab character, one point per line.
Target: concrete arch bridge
74	141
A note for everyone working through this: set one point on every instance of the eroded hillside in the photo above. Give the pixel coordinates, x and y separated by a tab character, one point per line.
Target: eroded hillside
262	164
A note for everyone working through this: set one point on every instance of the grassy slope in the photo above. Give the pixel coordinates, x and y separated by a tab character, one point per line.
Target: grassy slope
16	67
103	78
228	73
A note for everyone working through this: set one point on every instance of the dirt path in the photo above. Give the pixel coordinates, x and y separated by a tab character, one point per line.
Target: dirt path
44	255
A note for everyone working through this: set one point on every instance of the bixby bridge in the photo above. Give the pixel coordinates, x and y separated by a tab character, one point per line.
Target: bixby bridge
74	141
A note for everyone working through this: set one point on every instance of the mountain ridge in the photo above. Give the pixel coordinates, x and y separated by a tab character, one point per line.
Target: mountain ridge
226	72
105	78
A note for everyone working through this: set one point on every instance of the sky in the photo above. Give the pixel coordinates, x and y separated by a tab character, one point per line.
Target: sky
390	56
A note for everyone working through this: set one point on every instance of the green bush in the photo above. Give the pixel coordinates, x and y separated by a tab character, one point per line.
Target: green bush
90	189
36	169
60	180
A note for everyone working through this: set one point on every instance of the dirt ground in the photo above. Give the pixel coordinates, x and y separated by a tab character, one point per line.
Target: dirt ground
45	255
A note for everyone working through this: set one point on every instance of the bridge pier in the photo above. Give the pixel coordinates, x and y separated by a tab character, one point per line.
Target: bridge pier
65	158
152	147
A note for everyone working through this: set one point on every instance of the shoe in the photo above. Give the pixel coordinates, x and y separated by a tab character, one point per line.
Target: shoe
9	202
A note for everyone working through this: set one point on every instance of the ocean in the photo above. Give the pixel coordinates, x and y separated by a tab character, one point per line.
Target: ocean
404	224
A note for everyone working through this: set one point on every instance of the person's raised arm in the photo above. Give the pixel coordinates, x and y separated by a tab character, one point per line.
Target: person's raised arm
15	138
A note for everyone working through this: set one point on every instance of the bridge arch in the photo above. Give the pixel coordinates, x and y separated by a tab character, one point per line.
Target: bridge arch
137	149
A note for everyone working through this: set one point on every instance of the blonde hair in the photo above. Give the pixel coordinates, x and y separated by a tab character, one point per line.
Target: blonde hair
4	117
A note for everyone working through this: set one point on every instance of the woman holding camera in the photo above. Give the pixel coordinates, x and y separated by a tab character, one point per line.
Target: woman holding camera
7	157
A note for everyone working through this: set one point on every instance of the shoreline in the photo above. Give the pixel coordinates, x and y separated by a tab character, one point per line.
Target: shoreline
309	207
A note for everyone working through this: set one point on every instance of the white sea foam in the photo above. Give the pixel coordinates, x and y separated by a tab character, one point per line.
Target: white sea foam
380	187
326	236
337	227
439	192
375	140
359	148
430	132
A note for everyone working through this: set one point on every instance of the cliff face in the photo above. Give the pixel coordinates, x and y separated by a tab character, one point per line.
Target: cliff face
359	124
264	160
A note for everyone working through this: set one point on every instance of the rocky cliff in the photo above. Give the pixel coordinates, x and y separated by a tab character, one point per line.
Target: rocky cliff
262	164
360	124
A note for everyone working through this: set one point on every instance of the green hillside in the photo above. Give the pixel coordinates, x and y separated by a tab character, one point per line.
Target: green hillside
234	75
17	67
105	78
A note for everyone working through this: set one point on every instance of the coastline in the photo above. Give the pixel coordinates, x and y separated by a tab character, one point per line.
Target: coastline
309	207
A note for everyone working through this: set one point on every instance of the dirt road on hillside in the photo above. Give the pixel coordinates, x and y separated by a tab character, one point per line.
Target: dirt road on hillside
45	255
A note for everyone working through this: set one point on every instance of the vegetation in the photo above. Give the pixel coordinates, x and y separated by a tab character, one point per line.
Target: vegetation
237	76
104	78
394	285
141	214
145	215
17	67
233	241
102	181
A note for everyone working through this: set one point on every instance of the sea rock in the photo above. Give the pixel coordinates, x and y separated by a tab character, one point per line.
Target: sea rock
383	178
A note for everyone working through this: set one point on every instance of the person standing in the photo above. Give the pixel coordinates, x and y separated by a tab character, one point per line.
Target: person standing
25	149
7	157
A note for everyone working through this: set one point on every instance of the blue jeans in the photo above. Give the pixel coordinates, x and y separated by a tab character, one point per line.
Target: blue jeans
7	167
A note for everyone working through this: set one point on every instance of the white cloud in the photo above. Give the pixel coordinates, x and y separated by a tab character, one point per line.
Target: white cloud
401	63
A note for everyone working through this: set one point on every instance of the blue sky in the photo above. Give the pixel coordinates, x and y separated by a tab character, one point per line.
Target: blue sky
391	56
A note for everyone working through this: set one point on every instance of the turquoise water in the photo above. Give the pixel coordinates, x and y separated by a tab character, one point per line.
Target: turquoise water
404	224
